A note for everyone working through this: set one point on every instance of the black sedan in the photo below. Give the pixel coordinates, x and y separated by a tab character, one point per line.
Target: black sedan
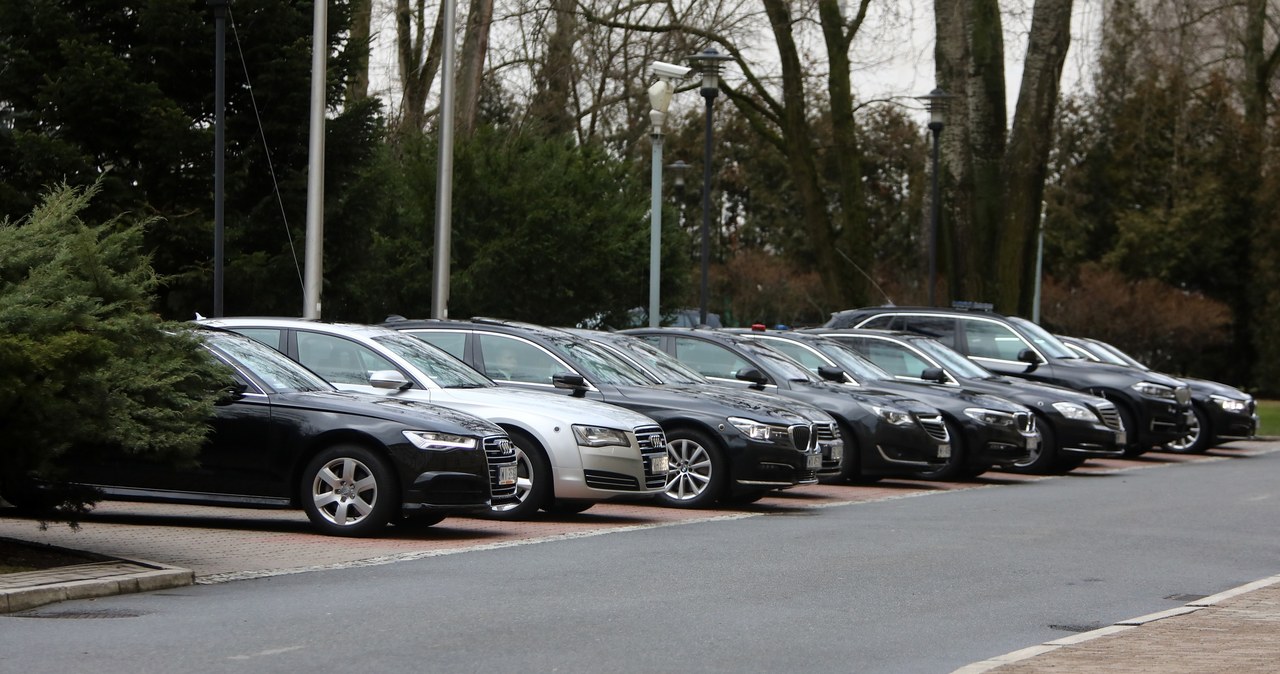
721	447
286	438
983	430
1074	426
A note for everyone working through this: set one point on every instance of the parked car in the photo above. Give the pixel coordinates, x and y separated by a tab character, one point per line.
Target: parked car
1221	413
666	370
982	431
570	456
1074	426
286	438
1154	409
721	447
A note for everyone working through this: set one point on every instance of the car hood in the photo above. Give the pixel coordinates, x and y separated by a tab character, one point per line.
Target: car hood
1029	393
717	401
950	399
1106	374
411	413
1203	387
498	402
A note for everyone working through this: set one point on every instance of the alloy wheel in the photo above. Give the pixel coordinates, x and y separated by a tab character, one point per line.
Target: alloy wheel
690	470
344	491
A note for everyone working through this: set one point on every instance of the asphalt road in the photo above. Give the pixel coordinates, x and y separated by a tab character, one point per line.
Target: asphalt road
922	584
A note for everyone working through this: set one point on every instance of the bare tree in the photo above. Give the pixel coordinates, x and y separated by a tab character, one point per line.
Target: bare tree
419	61
475	47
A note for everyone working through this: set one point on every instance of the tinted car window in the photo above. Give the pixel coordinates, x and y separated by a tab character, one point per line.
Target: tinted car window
268	336
941	328
453	343
603	366
1051	346
987	339
880	322
443	369
274	368
511	359
710	360
801	353
339	360
895	358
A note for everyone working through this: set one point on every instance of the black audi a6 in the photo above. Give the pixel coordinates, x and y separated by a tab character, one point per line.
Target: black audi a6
285	438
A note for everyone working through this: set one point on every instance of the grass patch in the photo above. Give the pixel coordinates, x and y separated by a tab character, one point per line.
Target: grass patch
1269	417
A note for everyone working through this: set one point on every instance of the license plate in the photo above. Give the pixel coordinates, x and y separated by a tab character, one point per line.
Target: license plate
659	464
837	453
1033	441
944	451
1122	438
814	461
506	475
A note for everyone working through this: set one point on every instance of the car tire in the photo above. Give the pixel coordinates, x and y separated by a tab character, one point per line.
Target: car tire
851	466
533	480
415	522
954	468
698	472
1044	459
349	490
1130	423
566	507
1198	438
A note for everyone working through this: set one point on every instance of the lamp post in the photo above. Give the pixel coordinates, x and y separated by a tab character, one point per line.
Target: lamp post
677	168
708	62
936	103
219	8
659	101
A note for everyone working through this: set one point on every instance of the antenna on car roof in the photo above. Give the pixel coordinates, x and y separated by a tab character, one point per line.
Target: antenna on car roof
868	277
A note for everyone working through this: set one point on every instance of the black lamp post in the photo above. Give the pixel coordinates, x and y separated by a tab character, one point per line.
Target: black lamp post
936	103
677	169
219	8
708	63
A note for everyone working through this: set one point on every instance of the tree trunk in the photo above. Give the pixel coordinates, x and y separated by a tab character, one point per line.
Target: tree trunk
1027	159
969	59
555	79
475	47
419	62
358	83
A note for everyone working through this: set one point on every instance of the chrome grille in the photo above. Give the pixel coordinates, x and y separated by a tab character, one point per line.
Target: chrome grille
602	479
802	437
1182	394
499	451
934	426
1109	414
653	442
1025	422
828	437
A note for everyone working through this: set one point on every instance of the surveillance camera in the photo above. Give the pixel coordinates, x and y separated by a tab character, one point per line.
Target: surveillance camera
669	70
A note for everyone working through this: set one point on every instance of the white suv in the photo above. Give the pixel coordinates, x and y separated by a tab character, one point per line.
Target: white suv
572	453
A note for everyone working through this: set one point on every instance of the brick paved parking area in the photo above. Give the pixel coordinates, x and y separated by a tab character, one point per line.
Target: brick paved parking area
220	544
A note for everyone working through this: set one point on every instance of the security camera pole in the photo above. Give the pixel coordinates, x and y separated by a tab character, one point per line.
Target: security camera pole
659	100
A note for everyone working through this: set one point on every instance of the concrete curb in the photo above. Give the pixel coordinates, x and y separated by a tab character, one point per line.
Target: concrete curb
23	591
1122	626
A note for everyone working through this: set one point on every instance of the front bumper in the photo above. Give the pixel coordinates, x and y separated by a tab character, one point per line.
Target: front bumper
1228	425
616	471
757	464
1161	421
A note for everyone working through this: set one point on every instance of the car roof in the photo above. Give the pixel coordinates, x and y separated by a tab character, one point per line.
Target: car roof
349	329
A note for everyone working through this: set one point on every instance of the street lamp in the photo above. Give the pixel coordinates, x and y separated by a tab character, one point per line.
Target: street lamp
659	100
708	63
936	103
677	168
219	8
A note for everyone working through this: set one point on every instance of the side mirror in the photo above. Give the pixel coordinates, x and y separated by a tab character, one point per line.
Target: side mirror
1030	358
231	393
389	379
829	373
576	382
934	374
753	375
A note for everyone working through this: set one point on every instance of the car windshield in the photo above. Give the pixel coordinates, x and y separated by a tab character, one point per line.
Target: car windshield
658	363
778	365
952	361
852	362
443	369
1120	357
600	365
275	369
1050	345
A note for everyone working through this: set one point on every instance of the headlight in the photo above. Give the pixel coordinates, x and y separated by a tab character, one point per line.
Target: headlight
758	431
993	417
1154	390
1076	412
892	415
1229	404
434	440
599	436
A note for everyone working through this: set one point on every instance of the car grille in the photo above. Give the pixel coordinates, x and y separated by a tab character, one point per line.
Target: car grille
802	437
828	435
499	451
1109	414
653	442
600	479
1025	422
1182	394
934	426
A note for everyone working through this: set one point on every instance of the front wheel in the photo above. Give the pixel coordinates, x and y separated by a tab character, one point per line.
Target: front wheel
1198	438
1130	423
698	472
533	481
566	507
349	490
1044	458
